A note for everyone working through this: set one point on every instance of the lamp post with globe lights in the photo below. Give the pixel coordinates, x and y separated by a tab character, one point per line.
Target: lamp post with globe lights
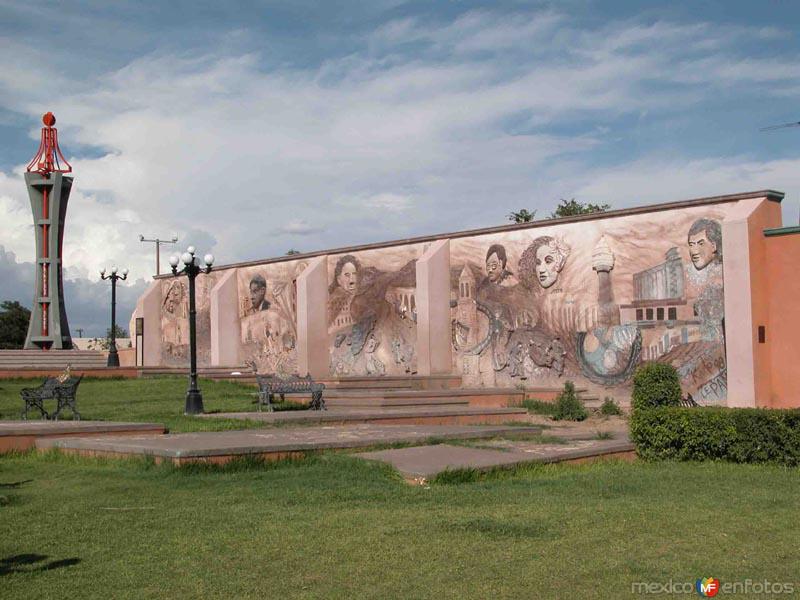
113	357
191	268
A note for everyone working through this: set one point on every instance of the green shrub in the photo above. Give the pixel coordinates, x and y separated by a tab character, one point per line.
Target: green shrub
539	407
568	405
656	384
609	407
741	435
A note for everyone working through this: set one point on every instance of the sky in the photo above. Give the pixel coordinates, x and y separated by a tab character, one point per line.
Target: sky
252	128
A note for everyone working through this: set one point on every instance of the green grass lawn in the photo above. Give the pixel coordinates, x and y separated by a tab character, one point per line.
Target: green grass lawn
158	399
334	527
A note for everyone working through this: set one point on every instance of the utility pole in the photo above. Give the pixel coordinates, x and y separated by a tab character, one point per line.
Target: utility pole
158	242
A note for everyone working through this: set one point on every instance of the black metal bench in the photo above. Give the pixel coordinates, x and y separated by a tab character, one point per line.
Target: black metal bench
689	402
63	392
270	386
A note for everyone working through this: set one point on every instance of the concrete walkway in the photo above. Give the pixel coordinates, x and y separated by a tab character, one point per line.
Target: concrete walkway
421	463
21	435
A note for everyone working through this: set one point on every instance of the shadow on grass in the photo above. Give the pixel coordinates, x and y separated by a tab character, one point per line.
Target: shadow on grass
33	563
15	484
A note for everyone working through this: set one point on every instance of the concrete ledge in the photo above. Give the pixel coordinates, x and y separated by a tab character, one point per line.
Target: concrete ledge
271	444
22	435
37	372
428	415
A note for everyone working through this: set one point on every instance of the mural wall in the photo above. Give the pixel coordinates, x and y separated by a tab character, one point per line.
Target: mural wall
590	301
372	311
268	316
534	307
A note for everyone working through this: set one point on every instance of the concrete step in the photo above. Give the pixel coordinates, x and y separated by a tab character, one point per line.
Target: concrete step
489	397
418	415
546	393
17	359
420	382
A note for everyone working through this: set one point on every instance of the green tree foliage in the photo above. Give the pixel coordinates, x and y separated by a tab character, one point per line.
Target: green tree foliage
609	407
521	216
568	405
656	384
571	207
14	320
292	251
119	332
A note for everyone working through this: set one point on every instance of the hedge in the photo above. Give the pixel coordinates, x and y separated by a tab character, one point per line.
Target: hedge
742	435
656	384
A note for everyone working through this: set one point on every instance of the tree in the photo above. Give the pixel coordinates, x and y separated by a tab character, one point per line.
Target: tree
119	332
292	251
571	207
105	343
14	320
521	216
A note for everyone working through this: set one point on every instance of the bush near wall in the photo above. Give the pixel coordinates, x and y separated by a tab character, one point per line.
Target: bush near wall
742	435
656	384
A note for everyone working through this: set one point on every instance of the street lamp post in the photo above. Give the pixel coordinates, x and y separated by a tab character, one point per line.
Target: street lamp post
113	357
194	399
158	242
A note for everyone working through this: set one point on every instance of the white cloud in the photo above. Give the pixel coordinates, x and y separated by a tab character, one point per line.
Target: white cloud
224	151
299	227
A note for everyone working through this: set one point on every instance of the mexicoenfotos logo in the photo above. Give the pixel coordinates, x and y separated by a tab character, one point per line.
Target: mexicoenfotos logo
708	587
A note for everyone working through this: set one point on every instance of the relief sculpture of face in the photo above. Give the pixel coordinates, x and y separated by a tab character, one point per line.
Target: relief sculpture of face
705	243
494	268
348	278
548	263
701	250
257	294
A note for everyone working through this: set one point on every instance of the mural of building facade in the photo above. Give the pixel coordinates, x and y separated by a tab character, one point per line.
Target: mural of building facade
372	312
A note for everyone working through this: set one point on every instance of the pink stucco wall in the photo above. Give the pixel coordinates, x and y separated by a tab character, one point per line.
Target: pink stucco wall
782	340
586	299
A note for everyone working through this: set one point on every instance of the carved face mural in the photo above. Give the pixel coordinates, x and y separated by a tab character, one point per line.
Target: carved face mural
268	316
543	260
174	297
258	292
595	300
372	312
346	274
705	243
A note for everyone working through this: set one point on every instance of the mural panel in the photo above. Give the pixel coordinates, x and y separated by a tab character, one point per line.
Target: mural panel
175	320
590	301
372	311
268	316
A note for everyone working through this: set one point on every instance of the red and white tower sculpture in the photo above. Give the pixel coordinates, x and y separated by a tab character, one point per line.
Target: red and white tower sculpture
48	190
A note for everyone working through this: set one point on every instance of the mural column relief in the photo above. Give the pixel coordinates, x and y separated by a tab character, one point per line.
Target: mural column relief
225	321
312	325
433	310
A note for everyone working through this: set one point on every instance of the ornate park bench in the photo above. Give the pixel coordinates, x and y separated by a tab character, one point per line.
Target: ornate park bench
270	386
63	392
689	402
